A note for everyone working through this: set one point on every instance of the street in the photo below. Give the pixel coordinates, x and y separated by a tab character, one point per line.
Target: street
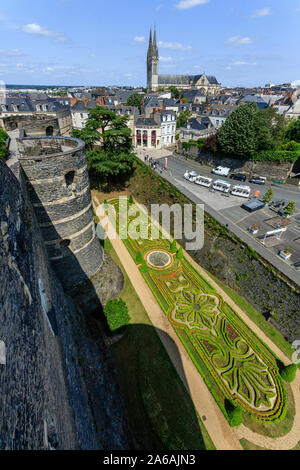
228	211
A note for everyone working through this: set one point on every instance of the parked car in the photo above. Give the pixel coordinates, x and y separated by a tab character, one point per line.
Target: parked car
221	171
238	176
258	180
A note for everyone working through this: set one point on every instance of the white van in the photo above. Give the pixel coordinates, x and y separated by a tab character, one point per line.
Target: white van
221	171
241	191
204	181
222	186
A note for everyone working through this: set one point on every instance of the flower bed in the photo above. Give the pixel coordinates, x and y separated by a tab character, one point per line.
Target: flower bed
233	361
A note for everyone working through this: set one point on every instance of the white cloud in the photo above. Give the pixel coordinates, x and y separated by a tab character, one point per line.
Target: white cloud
169	59
139	39
187	4
174	45
239	41
11	53
262	12
241	62
41	31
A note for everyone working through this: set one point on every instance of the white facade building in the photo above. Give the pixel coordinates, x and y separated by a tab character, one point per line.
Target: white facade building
168	128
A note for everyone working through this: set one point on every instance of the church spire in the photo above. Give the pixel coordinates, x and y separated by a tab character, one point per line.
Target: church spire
150	48
155	48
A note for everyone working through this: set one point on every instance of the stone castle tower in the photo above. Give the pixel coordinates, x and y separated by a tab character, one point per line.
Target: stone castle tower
152	63
57	181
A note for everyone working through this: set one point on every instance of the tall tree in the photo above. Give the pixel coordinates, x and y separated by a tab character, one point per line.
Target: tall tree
109	144
135	100
183	118
270	128
175	92
293	131
237	136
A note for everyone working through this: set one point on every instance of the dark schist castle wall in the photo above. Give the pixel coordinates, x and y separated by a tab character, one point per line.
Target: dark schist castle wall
58	186
48	398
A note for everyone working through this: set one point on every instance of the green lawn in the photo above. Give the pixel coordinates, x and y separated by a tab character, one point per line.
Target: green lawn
160	411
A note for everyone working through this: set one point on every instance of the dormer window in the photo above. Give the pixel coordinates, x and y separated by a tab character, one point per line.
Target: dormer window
3	107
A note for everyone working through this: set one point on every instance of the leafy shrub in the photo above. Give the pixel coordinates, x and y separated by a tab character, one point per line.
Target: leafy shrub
276	156
116	313
3	138
130	200
234	413
288	373
290	208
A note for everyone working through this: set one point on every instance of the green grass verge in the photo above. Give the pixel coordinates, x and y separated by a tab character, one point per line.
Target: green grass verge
160	411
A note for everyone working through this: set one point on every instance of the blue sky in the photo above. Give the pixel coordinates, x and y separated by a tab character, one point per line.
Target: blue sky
96	42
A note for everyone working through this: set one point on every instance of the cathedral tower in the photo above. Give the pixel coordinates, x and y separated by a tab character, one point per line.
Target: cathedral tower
152	63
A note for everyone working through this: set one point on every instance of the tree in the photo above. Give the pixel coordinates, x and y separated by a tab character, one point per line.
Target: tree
270	128
293	130
3	149
113	157
237	136
288	373
235	416
175	92
268	196
135	100
211	143
116	313
130	200
183	118
290	208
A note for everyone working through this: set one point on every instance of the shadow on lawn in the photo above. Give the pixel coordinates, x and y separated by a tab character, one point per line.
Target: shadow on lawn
161	413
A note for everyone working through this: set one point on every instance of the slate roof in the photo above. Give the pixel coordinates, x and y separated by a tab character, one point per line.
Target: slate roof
143	121
190	95
195	125
81	107
185	79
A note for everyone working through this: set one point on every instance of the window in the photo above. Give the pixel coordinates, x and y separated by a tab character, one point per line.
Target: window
65	243
45	107
69	178
3	107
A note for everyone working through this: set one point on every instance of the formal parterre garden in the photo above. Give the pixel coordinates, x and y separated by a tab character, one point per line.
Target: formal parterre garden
235	364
